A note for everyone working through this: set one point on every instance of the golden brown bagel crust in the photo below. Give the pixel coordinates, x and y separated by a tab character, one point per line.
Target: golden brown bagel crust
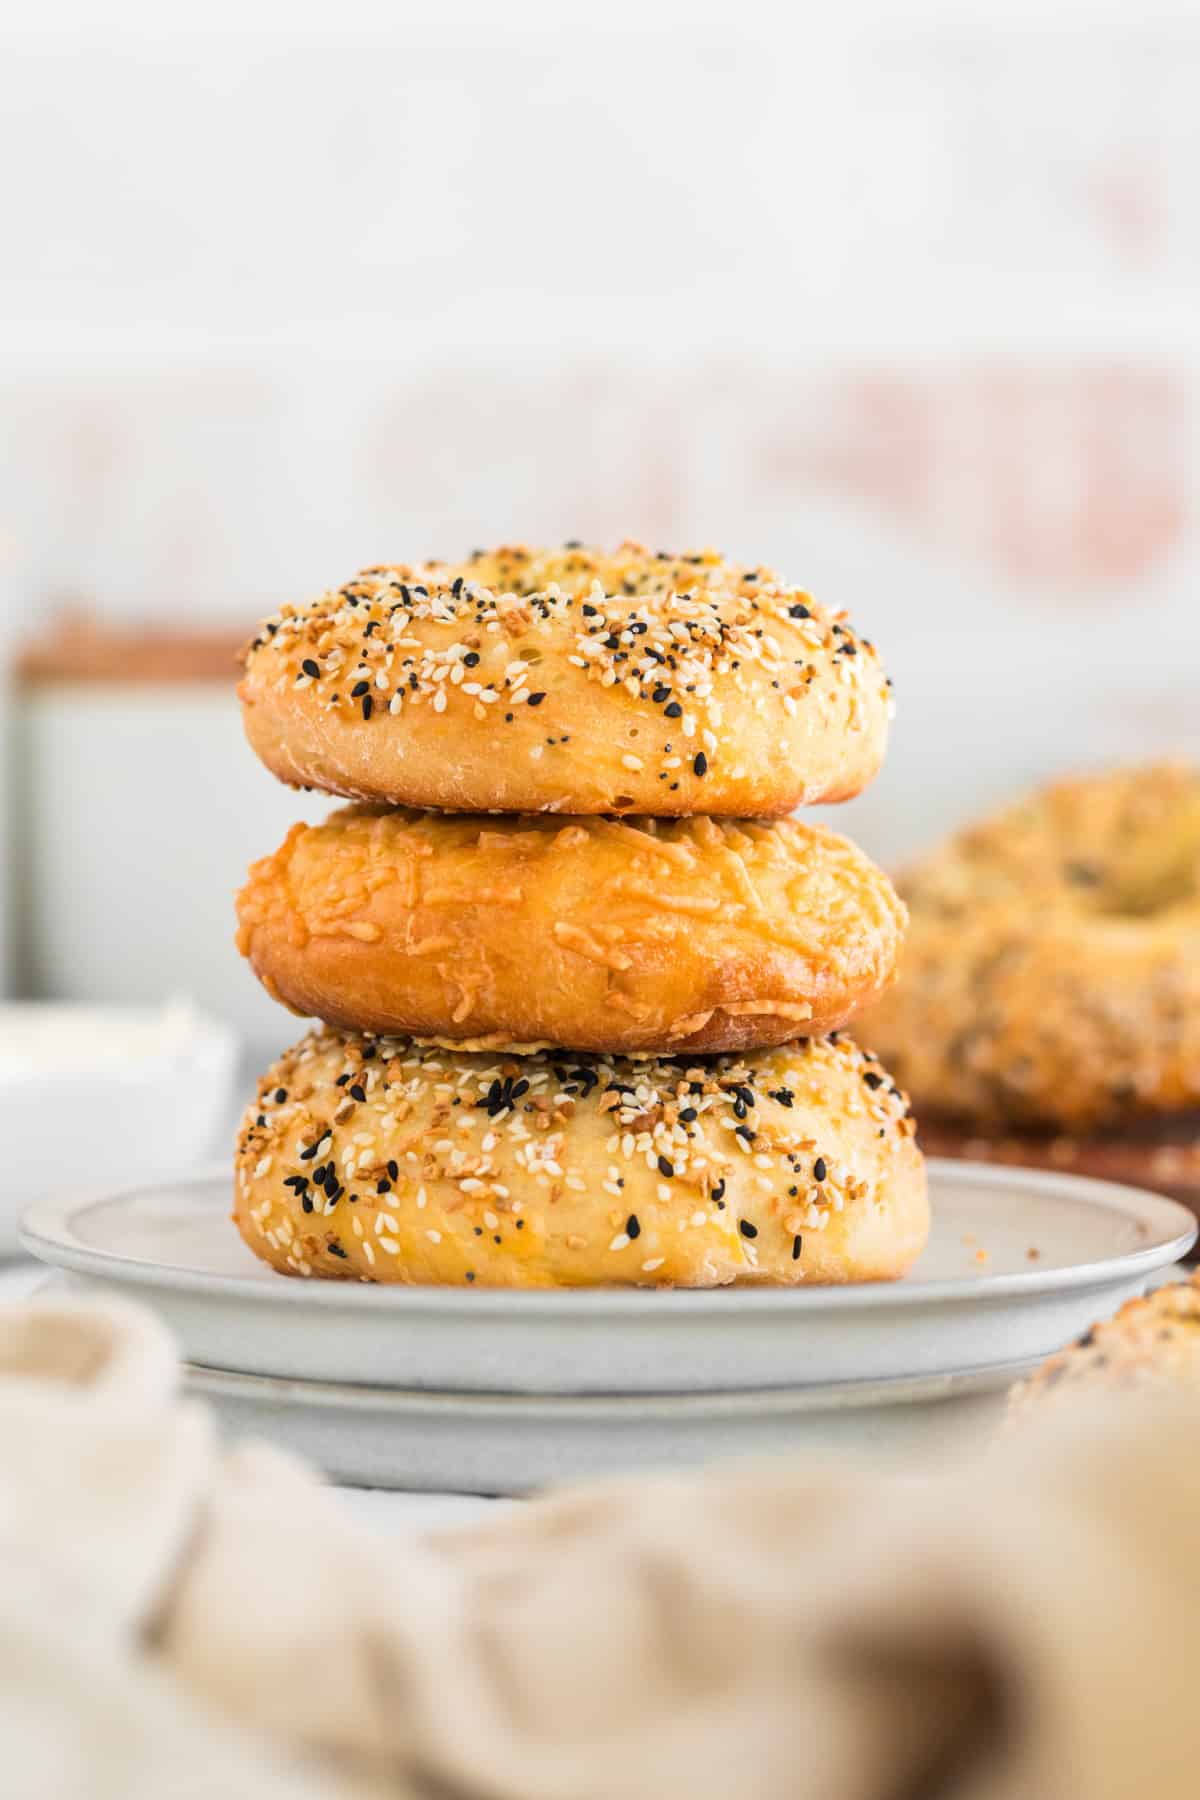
1051	973
596	934
568	681
377	1160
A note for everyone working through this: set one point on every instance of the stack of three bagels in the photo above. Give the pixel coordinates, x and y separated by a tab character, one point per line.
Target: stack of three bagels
581	979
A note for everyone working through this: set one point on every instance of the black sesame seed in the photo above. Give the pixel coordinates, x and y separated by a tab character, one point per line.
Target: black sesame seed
633	1226
336	1250
359	689
383	1187
280	1096
718	1192
872	1080
660	694
665	1168
688	1114
368	706
357	1091
796	1243
799	612
306	1202
747	1229
471	659
820	1169
535	699
470	1274
674	711
310	667
700	764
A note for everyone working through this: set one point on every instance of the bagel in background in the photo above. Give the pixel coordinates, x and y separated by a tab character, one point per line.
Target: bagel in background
378	1160
593	934
569	681
1051	971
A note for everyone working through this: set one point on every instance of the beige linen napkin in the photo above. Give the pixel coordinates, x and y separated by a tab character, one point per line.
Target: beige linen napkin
175	1620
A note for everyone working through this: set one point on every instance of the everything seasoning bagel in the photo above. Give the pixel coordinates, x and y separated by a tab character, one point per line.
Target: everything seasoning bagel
581	981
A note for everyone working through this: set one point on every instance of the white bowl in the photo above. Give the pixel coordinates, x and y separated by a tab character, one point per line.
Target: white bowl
93	1095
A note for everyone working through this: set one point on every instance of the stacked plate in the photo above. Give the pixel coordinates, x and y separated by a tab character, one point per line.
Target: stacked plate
497	1392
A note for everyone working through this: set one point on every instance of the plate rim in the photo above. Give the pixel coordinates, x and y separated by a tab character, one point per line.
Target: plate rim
45	1231
860	1391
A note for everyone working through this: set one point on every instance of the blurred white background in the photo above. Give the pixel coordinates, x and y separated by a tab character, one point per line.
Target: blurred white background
900	299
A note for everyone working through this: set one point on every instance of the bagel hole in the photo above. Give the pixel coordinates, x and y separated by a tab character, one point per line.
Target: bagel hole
1137	900
1154	866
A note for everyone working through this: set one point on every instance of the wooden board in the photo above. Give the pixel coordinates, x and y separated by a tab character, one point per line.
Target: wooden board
1163	1156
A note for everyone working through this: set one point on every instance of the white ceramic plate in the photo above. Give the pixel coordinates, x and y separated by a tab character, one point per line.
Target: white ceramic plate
173	1247
502	1444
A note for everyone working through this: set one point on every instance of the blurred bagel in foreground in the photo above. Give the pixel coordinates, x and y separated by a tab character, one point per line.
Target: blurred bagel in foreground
1152	1342
594	934
570	681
